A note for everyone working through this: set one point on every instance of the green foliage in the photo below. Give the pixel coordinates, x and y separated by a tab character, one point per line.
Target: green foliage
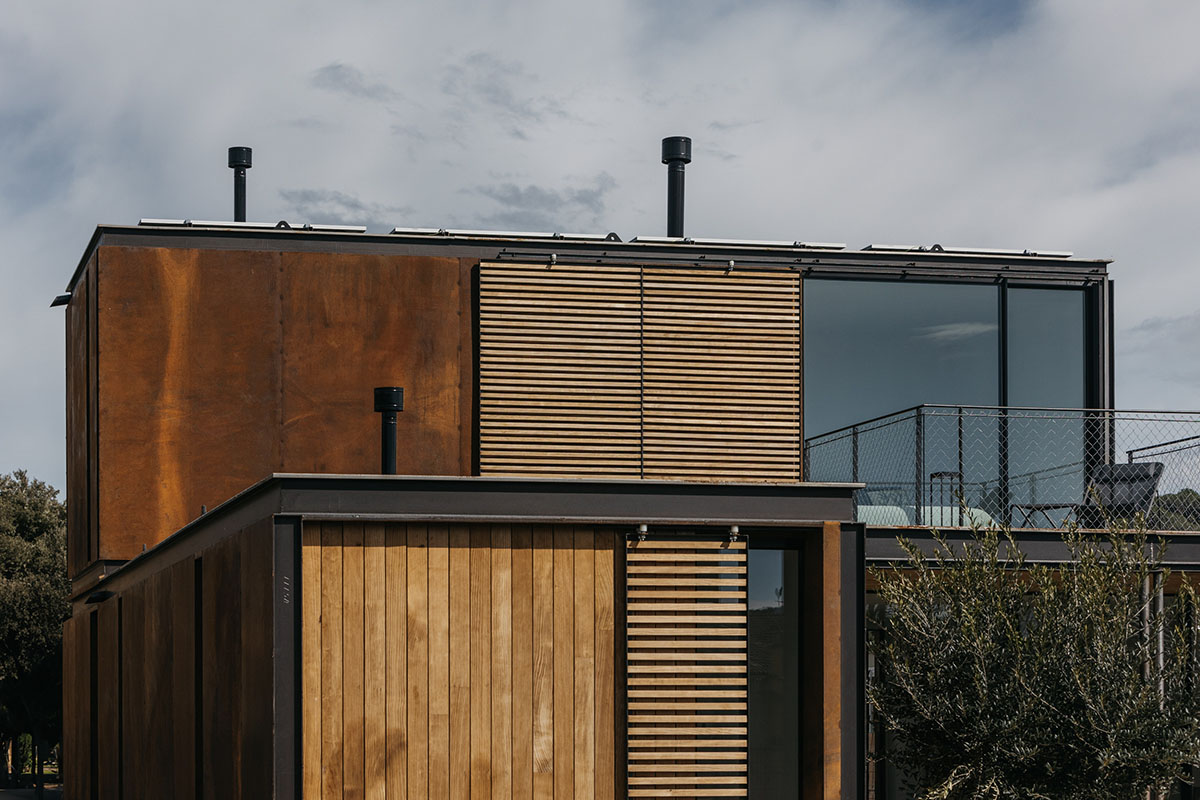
29	508
1005	680
1177	512
33	604
23	754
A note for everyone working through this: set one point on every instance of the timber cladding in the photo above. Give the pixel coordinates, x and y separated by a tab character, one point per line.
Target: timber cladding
639	371
461	661
687	667
168	683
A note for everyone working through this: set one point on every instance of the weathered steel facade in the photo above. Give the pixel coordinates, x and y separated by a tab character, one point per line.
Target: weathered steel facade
326	635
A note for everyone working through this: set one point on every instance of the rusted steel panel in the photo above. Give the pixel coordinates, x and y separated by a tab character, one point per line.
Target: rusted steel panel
77	430
188	386
195	373
93	421
354	322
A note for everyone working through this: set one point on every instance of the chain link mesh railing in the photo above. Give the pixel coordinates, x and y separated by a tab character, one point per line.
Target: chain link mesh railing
1027	467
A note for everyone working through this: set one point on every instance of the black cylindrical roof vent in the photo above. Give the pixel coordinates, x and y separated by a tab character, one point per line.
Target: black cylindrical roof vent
388	401
676	152
239	162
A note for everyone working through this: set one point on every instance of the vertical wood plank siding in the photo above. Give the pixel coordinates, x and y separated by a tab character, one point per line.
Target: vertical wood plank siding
639	372
499	661
134	734
686	664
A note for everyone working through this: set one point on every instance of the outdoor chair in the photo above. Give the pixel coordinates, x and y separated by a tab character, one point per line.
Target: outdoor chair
1114	492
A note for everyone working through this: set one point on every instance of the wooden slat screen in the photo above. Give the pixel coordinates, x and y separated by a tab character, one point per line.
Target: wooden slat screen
686	667
559	370
648	372
721	374
461	661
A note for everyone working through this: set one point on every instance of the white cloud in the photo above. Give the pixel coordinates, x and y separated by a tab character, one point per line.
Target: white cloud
955	332
1071	124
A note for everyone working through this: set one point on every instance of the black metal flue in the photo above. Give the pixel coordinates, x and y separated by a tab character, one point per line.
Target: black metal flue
239	162
388	401
676	152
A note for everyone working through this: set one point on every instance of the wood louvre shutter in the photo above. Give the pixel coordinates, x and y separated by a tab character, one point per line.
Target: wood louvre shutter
721	374
649	372
559	370
686	667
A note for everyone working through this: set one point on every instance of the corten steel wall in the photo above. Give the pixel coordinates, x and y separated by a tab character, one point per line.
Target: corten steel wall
461	661
192	373
168	682
80	380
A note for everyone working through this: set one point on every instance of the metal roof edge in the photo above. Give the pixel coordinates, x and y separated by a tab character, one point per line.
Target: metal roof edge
747	256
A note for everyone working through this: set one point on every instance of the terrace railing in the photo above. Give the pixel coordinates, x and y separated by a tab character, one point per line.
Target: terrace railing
941	466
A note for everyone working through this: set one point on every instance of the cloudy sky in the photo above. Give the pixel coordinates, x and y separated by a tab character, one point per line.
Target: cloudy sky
1060	125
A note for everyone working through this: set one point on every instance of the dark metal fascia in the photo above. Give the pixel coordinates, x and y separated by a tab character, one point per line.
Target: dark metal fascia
1039	546
533	499
661	525
401	497
256	503
826	263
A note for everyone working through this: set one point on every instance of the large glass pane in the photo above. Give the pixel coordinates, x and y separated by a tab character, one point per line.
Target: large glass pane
1046	348
872	348
773	655
1046	449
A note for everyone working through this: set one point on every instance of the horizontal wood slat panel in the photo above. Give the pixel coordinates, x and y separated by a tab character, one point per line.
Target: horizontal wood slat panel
559	370
633	371
687	768
704	749
685	663
642	557
740	325
728	619
687	793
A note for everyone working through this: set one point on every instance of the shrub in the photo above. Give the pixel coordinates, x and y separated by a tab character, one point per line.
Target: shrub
996	678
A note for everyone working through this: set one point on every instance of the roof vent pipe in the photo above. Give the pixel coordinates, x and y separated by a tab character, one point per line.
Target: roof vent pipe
239	162
676	152
388	401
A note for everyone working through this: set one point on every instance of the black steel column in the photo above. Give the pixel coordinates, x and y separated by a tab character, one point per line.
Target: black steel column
919	452
676	153
1002	485
287	642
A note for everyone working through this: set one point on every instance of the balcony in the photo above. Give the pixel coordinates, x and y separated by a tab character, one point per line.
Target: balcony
946	466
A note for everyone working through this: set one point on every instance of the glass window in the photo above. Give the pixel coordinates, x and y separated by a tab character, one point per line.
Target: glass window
1046	449
875	347
773	656
1046	348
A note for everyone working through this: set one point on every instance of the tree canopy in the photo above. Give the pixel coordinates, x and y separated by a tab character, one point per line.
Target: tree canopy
33	604
1001	679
